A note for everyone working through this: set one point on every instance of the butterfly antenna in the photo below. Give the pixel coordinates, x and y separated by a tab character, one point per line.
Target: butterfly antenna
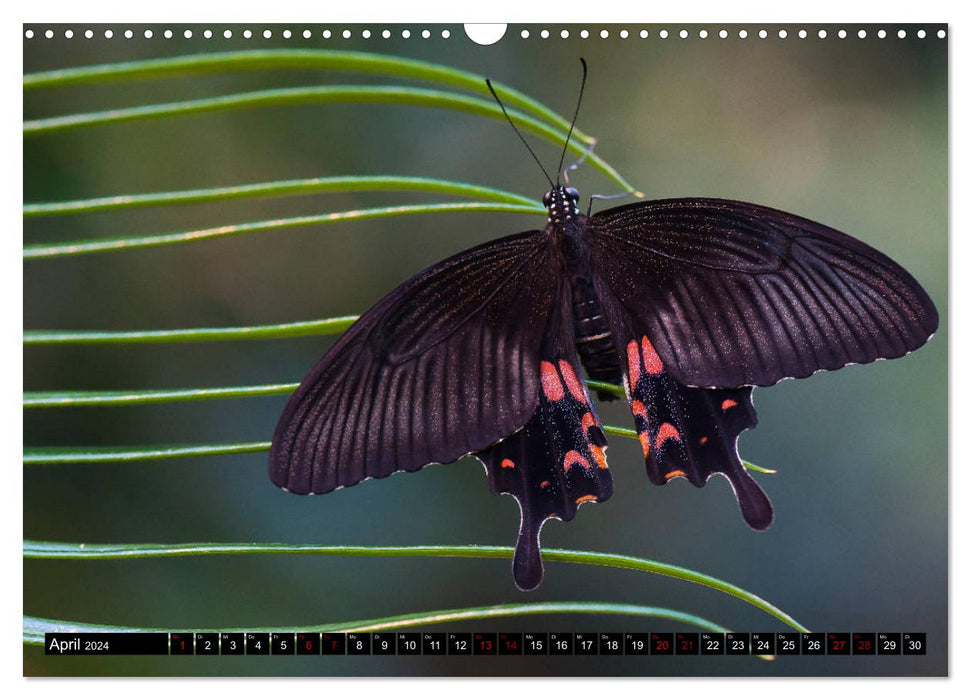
583	82
508	119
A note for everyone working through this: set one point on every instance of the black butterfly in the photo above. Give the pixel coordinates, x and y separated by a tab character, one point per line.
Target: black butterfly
689	302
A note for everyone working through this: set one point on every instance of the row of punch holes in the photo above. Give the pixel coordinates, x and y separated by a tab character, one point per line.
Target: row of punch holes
446	34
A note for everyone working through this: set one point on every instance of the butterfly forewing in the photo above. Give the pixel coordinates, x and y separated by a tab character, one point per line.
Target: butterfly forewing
734	294
443	366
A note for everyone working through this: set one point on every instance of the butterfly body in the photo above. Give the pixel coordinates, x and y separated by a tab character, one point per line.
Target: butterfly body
689	303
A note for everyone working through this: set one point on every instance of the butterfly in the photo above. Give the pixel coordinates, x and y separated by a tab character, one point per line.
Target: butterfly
689	303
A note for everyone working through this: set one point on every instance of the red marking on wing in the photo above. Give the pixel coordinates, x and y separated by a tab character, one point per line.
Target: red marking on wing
588	421
671	475
652	362
598	455
634	363
645	442
728	403
544	485
703	440
508	464
666	432
585	499
574	457
552	386
638	409
572	383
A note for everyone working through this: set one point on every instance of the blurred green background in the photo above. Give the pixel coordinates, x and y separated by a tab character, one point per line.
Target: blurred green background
850	132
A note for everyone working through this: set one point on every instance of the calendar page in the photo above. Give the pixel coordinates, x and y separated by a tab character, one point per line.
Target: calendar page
302	300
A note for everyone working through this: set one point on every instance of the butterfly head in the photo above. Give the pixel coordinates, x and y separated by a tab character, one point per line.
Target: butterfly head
561	203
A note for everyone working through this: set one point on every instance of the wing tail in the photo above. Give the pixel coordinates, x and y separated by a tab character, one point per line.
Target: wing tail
692	433
556	463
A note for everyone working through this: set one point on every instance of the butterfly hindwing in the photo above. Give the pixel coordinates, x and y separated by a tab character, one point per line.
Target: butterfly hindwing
441	367
557	461
734	294
690	432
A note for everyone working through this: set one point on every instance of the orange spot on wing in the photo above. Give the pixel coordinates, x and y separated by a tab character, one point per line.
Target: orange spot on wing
598	455
638	409
633	363
671	475
645	442
508	464
574	457
652	362
728	403
585	499
572	383
552	386
666	432
703	440
588	421
544	485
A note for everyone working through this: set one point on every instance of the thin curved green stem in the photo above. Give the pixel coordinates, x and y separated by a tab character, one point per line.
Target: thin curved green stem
37	251
299	329
63	550
35	627
295	59
91	455
327	94
370	183
54	399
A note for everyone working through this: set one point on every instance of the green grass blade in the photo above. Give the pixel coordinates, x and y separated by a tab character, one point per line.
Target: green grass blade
299	329
90	455
374	183
52	399
607	388
295	59
35	627
63	550
38	251
324	95
55	399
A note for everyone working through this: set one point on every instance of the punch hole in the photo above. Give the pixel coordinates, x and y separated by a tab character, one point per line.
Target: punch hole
247	34
485	34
